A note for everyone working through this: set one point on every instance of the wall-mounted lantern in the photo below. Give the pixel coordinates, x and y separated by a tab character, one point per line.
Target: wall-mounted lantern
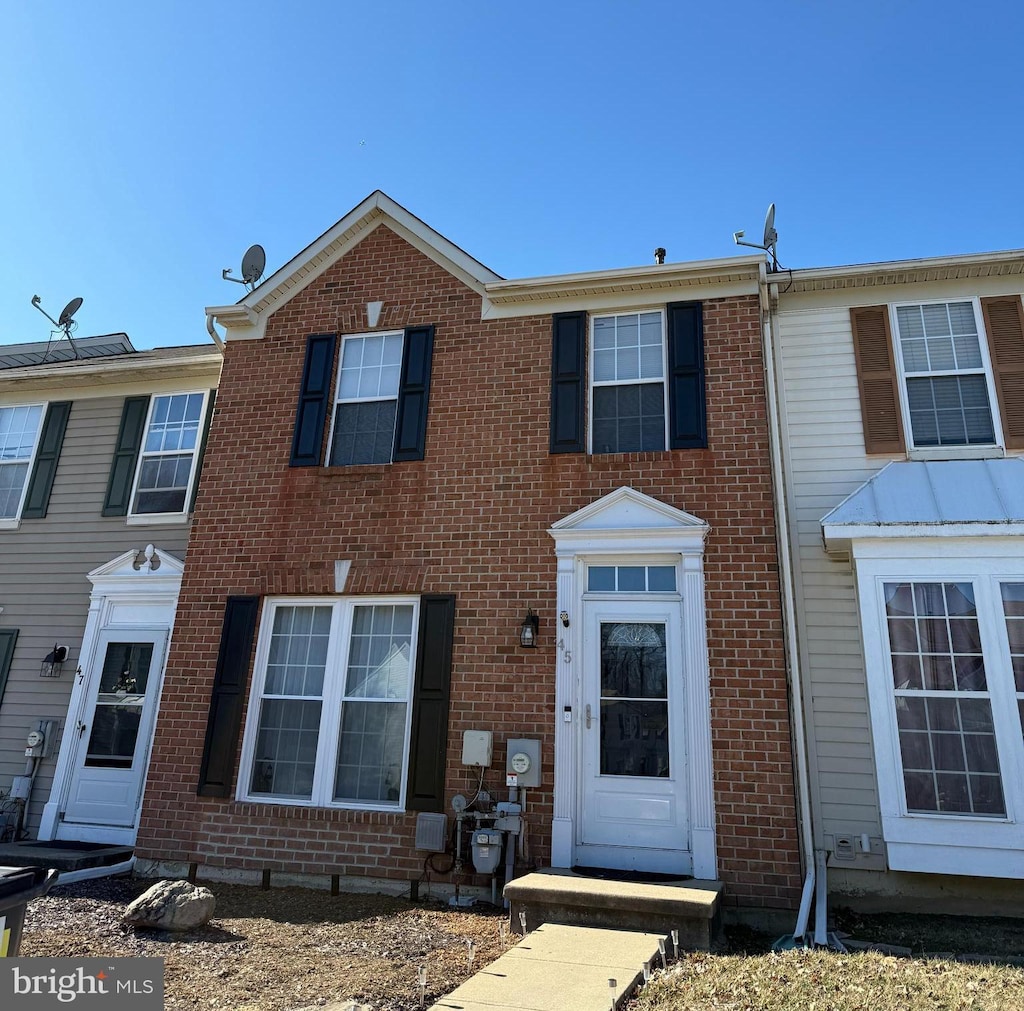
53	662
528	630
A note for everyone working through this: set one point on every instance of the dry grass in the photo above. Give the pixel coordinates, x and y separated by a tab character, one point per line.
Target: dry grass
276	950
826	981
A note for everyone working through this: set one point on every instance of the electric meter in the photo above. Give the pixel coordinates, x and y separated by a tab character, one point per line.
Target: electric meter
520	763
34	739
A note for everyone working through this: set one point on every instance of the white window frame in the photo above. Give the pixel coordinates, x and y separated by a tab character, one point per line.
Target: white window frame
330	715
945	843
152	519
363	400
592	385
961	452
13	522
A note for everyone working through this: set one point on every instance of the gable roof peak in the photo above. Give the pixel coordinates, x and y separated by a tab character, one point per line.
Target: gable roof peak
375	210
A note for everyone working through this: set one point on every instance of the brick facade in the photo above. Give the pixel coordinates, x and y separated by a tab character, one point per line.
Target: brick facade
470	519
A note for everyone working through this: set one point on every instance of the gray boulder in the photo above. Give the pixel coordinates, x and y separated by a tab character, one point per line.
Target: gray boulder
171	905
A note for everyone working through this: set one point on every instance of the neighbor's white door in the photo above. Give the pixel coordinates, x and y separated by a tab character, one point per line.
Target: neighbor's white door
115	730
633	793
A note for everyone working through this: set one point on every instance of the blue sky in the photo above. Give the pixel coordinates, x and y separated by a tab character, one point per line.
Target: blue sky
145	146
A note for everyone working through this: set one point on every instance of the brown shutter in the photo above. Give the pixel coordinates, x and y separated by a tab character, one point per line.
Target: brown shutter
1004	323
877	379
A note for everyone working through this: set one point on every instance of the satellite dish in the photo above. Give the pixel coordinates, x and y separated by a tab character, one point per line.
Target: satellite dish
770	241
770	235
253	263
66	321
69	310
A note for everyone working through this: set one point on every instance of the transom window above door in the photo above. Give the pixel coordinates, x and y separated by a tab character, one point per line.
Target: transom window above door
628	382
631	578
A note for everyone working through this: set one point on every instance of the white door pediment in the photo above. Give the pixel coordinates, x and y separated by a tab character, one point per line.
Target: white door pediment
628	509
142	570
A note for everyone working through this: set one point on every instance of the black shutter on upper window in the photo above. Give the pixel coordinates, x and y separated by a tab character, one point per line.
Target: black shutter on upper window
568	381
202	448
314	399
44	470
126	455
8	637
413	394
224	722
429	741
686	396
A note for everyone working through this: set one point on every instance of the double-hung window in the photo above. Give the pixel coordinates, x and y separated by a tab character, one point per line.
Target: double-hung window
627	381
167	461
330	712
946	381
19	433
366	404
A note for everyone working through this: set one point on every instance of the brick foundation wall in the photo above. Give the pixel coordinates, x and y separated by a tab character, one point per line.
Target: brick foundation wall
470	519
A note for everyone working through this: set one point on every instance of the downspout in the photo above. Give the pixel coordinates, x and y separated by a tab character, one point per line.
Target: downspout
212	330
807	853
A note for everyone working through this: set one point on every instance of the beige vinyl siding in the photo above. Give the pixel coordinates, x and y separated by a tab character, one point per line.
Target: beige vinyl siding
44	591
827	462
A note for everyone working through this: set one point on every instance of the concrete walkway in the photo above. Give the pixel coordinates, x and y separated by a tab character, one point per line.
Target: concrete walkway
559	968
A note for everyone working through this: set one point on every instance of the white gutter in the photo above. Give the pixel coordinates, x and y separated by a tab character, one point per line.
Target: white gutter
788	590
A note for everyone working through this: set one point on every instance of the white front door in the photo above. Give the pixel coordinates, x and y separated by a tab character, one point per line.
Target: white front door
115	730
633	791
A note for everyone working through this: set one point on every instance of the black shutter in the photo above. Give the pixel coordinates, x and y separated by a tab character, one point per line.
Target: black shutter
687	414
45	468
8	637
314	396
202	448
568	387
429	740
225	718
126	454
413	393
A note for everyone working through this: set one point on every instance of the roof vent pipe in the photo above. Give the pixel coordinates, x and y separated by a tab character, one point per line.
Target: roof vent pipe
659	254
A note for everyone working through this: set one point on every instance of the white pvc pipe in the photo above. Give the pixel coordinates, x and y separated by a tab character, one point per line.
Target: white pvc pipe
805	905
821	901
88	873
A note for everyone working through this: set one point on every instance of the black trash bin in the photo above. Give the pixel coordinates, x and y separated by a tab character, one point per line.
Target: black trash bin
18	886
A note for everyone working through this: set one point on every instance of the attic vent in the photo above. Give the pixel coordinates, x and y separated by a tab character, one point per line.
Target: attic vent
431	832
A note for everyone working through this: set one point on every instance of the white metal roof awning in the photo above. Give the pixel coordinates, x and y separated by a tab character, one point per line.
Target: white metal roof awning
949	498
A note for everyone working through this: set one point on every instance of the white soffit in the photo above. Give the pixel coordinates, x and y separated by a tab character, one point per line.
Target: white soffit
932	499
969	266
626	287
176	367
